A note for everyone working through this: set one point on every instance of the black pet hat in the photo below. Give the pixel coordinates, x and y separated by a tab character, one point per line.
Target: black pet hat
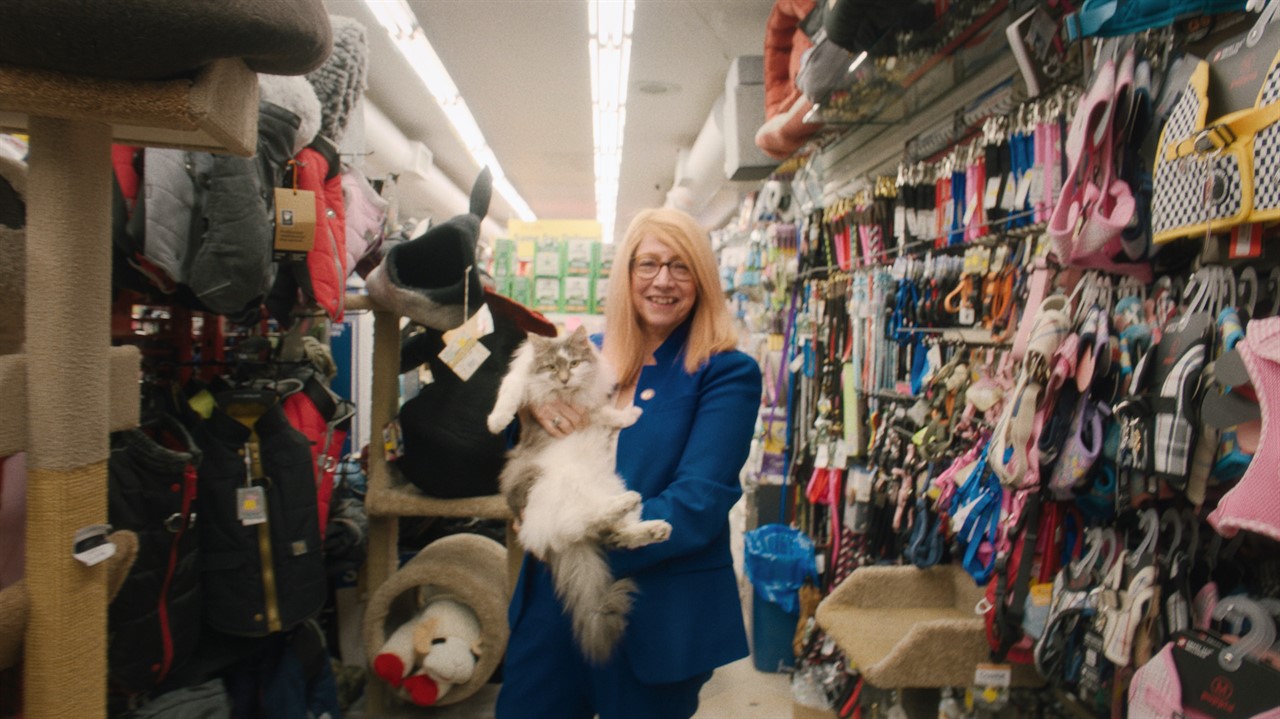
428	278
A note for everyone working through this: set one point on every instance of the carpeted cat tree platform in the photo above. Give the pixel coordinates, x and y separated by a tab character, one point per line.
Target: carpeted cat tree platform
77	77
467	567
909	628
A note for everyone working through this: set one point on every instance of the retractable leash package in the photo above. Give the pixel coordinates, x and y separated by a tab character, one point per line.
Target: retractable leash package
1218	163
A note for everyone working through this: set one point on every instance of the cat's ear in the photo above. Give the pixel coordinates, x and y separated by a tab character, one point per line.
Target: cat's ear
580	335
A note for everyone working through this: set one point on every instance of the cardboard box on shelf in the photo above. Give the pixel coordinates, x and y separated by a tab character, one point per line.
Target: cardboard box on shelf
602	263
522	290
505	285
548	258
577	294
504	257
548	294
579	255
599	293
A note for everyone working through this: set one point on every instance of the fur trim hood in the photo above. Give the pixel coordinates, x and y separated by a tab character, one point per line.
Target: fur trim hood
296	95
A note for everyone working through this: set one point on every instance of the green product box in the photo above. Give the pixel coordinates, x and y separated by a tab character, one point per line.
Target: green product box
522	290
602	259
506	285
599	293
504	257
577	294
548	257
548	294
579	255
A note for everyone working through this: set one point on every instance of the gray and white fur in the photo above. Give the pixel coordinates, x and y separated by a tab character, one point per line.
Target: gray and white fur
571	502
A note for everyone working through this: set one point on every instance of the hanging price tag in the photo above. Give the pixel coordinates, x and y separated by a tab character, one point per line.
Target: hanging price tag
92	546
462	351
1034	180
822	460
251	505
295	223
464	354
992	195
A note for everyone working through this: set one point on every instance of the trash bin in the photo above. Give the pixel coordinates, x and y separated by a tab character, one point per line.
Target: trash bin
777	559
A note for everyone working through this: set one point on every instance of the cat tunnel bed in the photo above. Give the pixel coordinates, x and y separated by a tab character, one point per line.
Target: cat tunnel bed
467	567
908	628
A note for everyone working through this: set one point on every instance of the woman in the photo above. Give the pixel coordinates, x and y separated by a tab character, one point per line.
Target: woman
672	341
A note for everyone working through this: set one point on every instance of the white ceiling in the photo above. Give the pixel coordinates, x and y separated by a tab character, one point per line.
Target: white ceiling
521	66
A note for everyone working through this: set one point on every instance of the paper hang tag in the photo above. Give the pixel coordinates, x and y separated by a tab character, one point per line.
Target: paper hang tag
464	354
295	223
251	505
993	675
822	459
1008	200
92	546
1035	184
992	195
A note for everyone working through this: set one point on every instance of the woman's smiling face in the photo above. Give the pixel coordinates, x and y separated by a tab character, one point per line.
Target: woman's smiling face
662	301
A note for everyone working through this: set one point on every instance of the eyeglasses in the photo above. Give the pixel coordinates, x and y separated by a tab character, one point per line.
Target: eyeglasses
647	268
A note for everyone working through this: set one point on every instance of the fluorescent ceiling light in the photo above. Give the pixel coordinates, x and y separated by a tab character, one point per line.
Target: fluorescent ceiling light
400	23
609	50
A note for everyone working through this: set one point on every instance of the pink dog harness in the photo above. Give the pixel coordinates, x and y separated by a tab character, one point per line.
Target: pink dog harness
1254	503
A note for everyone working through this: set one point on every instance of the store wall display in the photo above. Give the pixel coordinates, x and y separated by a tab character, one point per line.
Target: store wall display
998	371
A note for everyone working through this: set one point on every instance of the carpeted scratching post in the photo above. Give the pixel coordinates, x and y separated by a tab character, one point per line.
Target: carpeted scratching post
67	340
905	628
467	567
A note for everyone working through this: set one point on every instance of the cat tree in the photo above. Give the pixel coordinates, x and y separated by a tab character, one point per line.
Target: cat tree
389	497
69	388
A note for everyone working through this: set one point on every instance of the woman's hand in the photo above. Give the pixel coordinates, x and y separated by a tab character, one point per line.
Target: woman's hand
559	418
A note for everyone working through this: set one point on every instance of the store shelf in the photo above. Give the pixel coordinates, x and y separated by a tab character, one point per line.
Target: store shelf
938	100
216	111
124	401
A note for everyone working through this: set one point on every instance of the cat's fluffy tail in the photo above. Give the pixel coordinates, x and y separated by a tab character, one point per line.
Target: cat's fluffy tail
597	604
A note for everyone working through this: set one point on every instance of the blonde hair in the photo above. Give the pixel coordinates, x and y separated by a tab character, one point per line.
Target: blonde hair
711	330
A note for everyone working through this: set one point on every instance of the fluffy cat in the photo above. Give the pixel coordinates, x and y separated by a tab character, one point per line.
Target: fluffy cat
571	502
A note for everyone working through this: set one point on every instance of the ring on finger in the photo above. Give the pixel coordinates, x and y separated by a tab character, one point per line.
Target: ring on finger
556	422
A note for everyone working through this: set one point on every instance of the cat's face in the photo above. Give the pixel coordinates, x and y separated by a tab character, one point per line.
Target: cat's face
568	362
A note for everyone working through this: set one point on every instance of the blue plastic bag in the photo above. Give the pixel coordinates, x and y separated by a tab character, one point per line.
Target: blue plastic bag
778	559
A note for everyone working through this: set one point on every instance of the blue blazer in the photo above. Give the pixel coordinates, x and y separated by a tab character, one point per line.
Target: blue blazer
683	456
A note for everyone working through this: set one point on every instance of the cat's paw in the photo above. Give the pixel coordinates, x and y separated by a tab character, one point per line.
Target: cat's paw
657	530
641	534
499	421
630	415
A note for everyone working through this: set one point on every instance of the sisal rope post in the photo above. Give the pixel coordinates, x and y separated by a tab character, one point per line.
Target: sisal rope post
68	338
384	405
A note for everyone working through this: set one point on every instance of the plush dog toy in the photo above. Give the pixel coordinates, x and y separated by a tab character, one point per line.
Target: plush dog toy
437	650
